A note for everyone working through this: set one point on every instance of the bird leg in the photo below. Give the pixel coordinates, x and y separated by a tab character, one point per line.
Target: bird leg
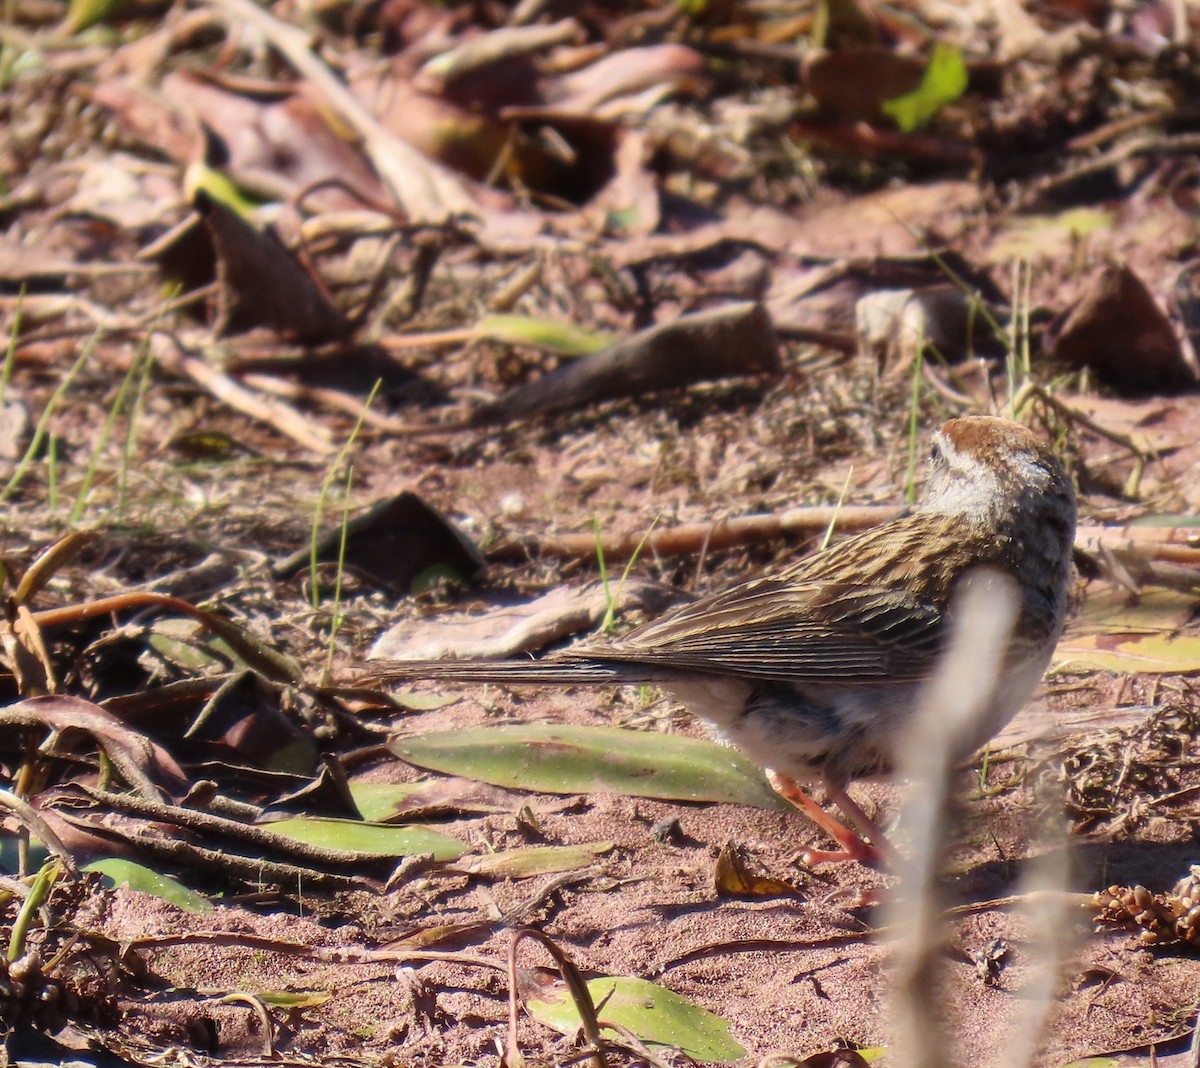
853	846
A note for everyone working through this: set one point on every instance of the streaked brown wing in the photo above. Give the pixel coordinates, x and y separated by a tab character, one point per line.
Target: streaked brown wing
778	630
845	614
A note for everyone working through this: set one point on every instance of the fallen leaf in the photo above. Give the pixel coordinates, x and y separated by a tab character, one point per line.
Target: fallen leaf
1045	237
1151	654
564	338
855	83
657	1016
516	629
734	340
1116	632
262	283
146	766
735	876
1111	610
392	802
574	760
378	838
624	83
944	81
393	544
1118	330
120	872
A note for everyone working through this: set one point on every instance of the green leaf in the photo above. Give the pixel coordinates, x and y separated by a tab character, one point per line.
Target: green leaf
379	838
657	1016
420	801
944	81
184	644
563	338
1113	634
376	801
1146	653
219	186
84	13
120	872
574	760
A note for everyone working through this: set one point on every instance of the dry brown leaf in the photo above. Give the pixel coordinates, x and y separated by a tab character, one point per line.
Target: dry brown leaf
734	340
522	628
1118	330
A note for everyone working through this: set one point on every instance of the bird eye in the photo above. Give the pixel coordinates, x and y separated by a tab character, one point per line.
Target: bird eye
935	452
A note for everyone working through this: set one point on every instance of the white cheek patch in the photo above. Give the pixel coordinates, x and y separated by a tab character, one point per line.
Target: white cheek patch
964	486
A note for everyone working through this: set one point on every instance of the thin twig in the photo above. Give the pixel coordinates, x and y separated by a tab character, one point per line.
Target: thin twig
39	827
688	538
261	837
282	417
324	954
1179	545
574	981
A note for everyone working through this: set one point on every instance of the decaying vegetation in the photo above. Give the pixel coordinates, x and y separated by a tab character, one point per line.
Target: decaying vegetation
461	329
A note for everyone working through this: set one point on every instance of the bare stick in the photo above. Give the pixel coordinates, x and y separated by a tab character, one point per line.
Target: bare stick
275	413
1178	545
689	538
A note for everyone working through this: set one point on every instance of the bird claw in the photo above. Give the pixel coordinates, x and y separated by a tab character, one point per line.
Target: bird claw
852	846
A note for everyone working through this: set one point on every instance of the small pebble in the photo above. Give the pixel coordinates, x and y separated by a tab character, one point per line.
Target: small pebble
513	505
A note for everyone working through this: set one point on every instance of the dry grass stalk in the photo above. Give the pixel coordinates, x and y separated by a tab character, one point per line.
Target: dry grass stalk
957	695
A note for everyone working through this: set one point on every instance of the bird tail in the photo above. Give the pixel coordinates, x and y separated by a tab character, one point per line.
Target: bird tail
552	670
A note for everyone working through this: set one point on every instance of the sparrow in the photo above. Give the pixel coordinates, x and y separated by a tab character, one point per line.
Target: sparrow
815	671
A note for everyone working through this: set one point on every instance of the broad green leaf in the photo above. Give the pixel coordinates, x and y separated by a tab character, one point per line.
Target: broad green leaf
654	1014
381	838
376	801
1150	653
401	803
1155	611
563	338
944	81
186	645
574	760
525	861
1112	634
120	872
